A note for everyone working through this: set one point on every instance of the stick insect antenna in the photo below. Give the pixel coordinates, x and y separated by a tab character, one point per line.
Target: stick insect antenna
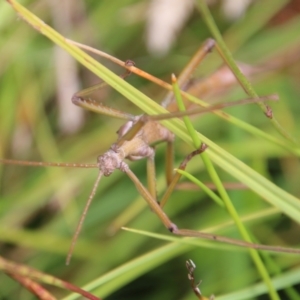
210	108
46	164
79	226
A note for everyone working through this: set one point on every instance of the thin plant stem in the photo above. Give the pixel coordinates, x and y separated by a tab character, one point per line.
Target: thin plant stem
224	196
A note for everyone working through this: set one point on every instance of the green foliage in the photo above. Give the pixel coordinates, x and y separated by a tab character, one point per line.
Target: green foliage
40	207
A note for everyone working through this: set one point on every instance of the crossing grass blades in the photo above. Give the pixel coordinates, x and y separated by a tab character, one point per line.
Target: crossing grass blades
134	142
260	185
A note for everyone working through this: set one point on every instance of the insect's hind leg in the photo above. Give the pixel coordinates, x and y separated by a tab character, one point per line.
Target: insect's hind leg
156	208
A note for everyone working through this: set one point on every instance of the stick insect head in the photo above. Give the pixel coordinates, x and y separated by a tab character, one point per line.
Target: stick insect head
110	161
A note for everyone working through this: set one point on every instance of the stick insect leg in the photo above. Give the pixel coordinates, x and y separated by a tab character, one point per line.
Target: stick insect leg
169	162
185	75
193	233
177	176
129	135
81	99
151	176
82	218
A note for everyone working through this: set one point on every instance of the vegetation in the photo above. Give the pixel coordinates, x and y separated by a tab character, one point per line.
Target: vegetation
40	207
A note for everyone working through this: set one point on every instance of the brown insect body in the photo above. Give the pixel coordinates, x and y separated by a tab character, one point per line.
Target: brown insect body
137	148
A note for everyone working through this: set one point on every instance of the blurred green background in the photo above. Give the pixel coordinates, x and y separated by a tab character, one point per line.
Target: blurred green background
40	207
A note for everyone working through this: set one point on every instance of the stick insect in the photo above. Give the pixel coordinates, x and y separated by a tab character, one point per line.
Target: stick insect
134	142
